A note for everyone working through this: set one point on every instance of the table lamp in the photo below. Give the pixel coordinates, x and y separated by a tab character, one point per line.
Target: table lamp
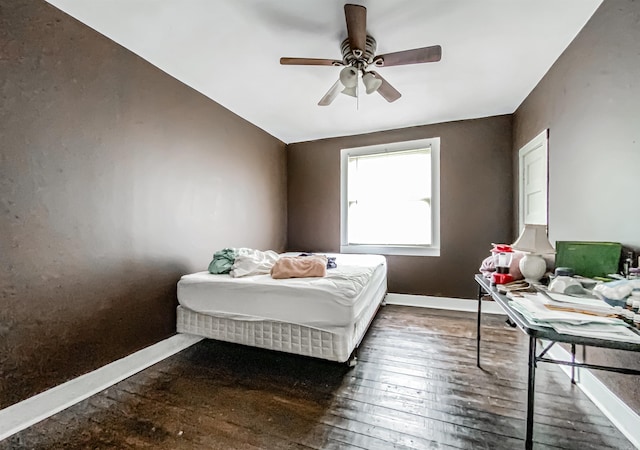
533	241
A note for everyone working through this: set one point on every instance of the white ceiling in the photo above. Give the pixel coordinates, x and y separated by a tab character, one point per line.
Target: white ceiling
494	52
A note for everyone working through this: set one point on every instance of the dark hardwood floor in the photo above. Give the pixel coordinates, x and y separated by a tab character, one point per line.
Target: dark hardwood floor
416	386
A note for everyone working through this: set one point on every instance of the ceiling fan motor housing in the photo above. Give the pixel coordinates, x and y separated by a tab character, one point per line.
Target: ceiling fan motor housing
350	59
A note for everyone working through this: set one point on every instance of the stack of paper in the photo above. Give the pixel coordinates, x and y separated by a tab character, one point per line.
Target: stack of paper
533	307
595	322
578	304
599	331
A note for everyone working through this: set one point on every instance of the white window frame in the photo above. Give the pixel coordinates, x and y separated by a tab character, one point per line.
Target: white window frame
408	250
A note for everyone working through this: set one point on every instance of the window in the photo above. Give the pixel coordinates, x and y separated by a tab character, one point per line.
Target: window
390	198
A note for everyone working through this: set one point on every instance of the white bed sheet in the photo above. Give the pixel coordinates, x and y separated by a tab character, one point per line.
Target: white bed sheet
333	301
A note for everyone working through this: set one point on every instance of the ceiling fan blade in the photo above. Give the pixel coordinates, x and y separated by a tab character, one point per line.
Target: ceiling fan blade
415	56
310	62
356	17
389	93
331	95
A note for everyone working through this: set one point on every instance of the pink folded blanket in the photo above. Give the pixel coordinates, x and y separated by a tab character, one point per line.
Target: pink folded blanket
300	267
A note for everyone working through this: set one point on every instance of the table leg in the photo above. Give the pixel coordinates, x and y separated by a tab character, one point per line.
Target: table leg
528	443
478	326
573	360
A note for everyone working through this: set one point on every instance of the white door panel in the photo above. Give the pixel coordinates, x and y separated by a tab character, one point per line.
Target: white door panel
533	174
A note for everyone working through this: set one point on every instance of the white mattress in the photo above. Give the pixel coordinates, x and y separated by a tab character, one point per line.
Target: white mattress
326	303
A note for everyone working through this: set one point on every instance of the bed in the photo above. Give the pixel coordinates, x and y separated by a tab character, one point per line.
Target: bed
324	317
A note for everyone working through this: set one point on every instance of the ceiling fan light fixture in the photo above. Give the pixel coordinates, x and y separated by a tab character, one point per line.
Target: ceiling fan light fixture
349	77
371	83
351	91
359	55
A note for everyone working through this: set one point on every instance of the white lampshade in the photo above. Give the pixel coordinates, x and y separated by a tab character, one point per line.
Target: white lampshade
533	239
371	83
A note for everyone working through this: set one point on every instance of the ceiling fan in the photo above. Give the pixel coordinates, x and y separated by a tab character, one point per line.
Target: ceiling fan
358	55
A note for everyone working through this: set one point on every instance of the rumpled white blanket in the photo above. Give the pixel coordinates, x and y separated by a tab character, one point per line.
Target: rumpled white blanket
253	262
616	290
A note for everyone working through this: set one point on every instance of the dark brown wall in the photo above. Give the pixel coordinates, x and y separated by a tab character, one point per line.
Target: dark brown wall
115	179
475	198
590	101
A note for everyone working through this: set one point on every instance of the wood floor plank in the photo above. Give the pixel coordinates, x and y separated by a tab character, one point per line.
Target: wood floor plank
434	378
363	424
478	420
268	413
571	418
415	387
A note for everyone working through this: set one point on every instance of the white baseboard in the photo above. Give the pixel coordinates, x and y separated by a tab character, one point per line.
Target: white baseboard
34	409
623	417
454	304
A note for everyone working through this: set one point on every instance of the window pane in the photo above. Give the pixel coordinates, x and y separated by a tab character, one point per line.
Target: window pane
390	176
390	223
389	198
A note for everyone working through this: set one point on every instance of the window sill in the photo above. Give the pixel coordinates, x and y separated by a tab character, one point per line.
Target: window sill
391	250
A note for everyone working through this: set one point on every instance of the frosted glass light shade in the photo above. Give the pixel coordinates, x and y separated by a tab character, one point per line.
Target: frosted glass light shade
350	91
349	77
371	83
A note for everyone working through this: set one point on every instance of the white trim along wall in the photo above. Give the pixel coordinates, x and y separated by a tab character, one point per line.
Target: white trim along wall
37	408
